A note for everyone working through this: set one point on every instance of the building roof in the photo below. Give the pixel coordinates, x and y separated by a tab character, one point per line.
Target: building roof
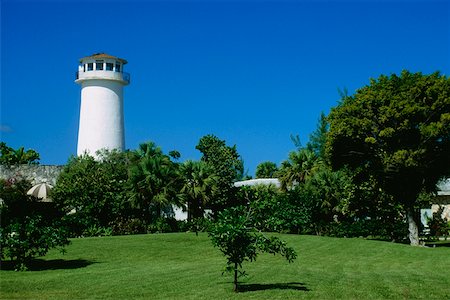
258	181
443	186
103	56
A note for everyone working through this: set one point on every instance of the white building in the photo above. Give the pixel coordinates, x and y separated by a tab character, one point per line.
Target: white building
443	199
102	79
258	181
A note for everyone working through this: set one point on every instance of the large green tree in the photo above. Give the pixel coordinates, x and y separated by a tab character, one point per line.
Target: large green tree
94	189
396	129
226	164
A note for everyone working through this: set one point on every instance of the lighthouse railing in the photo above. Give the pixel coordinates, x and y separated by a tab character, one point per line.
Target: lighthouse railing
114	75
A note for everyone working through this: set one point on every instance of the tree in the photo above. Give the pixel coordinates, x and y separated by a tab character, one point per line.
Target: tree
266	169
317	139
198	186
153	181
300	165
10	156
226	165
239	241
396	129
95	189
329	193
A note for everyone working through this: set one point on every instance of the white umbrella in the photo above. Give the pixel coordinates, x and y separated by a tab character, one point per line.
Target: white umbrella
41	191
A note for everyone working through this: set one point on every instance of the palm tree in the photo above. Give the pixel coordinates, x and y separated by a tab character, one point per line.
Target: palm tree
199	186
266	169
153	180
300	165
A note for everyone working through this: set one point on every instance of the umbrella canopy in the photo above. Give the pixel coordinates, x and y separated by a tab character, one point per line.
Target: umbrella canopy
41	191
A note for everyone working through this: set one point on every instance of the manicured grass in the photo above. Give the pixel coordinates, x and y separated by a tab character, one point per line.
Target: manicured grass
184	266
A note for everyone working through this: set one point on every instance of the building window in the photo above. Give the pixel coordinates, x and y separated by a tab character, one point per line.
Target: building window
90	66
117	67
109	66
99	65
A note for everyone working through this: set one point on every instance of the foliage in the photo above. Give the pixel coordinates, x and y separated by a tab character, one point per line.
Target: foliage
371	212
28	228
325	196
198	225
397	130
175	154
234	235
163	225
274	210
95	230
226	165
266	169
317	140
300	165
30	237
94	189
438	225
10	156
199	186
123	226
14	201
153	181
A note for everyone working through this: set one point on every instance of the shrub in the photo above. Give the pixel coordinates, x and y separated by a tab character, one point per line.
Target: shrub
28	228
122	226
198	225
98	231
25	239
274	210
438	225
162	225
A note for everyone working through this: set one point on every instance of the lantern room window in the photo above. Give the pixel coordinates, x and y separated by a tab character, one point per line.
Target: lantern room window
99	65
90	66
109	66
117	67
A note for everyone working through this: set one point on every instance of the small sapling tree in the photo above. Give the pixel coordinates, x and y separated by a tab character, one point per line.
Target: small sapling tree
234	235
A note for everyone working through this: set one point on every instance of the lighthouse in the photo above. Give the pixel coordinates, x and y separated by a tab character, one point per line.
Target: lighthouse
101	126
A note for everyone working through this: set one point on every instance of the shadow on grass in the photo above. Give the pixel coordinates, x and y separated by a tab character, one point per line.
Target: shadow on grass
53	264
252	287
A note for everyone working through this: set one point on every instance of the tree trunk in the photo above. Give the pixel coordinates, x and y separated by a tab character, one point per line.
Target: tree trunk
412	227
189	211
235	283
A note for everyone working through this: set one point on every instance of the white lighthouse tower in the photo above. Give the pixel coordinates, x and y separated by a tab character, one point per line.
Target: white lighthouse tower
102	80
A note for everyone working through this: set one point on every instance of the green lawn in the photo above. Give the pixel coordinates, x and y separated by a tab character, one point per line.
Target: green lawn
184	266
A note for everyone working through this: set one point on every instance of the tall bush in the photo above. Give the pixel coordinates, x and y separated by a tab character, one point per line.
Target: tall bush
29	228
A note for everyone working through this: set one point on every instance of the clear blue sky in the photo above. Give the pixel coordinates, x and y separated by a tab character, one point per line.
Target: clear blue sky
250	72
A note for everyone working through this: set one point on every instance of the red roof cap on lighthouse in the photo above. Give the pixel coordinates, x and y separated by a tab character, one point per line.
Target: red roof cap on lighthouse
103	56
